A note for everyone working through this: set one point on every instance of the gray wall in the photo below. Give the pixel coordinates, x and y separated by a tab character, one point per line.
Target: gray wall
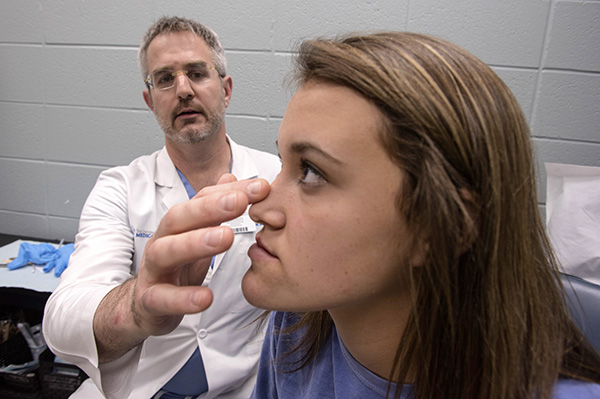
70	90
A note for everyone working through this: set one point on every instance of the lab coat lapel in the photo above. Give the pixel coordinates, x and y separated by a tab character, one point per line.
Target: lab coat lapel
166	176
243	165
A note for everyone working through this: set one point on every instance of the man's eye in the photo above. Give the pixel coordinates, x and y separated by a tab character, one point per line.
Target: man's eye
197	74
163	78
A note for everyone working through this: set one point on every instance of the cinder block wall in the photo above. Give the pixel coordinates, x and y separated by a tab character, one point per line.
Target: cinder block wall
70	90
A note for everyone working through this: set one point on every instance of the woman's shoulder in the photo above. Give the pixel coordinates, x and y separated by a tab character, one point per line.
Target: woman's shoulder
567	389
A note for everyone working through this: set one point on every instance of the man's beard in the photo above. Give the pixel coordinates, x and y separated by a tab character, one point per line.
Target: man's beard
190	134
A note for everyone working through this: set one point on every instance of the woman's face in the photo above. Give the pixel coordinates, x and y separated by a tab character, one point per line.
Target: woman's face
332	235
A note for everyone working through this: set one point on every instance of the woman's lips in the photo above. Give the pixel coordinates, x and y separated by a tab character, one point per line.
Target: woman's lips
259	251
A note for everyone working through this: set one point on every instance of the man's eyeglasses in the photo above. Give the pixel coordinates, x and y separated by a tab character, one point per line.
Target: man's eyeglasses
165	79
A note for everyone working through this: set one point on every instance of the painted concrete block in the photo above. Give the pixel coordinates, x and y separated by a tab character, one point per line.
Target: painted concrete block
574	39
24	224
522	84
568	106
21	78
239	24
65	198
21	21
94	76
258	83
296	20
100	136
22	130
24	185
501	33
107	22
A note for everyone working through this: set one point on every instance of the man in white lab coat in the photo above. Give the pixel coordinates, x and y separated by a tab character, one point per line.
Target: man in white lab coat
149	306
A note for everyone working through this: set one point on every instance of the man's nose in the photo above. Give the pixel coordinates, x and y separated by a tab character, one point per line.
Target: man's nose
183	85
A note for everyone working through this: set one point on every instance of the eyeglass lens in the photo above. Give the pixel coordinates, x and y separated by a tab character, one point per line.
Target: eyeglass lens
165	79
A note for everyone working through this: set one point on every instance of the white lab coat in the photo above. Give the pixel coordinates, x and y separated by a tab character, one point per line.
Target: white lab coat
120	215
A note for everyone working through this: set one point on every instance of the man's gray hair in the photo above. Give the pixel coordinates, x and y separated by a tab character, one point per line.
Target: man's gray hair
177	24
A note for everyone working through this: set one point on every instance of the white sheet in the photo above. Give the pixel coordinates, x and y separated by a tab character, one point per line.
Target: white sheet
573	218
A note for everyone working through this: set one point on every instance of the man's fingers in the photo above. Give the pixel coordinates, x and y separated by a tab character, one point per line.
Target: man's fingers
226	178
167	299
254	189
210	210
174	250
213	205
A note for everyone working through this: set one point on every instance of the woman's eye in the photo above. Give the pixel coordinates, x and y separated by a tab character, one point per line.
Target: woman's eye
310	175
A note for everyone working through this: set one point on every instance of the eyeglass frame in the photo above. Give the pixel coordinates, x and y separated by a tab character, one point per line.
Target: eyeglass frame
185	72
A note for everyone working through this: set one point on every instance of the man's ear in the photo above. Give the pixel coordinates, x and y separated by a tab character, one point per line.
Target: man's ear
227	88
148	99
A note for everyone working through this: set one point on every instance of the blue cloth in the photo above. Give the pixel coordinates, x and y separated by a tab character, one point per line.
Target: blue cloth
188	187
569	389
186	183
336	374
190	380
43	254
162	394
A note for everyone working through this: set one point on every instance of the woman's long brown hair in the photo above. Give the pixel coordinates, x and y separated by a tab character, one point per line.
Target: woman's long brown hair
489	318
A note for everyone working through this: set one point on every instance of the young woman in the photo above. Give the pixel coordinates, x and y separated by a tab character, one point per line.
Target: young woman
402	246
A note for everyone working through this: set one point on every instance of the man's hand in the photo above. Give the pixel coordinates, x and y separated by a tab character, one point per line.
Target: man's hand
176	260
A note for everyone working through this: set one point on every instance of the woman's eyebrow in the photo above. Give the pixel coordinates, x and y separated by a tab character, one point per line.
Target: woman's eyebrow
302	147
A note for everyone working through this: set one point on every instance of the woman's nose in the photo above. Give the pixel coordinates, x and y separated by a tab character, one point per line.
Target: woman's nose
270	211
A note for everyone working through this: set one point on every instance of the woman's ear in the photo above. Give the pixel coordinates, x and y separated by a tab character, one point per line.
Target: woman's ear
419	254
470	225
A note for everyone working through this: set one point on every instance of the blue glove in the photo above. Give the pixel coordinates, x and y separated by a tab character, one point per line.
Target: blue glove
61	260
38	254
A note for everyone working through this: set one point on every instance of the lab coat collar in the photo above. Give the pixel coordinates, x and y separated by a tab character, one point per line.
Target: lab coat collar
166	173
166	176
243	165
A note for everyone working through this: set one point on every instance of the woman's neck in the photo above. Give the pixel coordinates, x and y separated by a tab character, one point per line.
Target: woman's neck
373	337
